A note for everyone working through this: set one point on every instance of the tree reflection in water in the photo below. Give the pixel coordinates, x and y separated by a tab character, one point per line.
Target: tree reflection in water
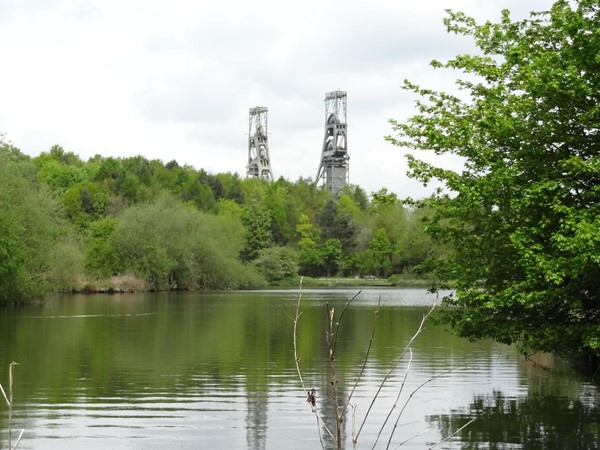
531	422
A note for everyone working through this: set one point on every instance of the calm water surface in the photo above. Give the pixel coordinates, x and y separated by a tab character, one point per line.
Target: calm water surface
216	371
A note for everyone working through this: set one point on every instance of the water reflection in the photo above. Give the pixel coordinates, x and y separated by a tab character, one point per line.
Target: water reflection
216	370
530	422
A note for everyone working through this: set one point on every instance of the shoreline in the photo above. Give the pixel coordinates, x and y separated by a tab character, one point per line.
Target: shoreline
129	284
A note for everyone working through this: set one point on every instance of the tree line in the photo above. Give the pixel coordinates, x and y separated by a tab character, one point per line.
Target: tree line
69	224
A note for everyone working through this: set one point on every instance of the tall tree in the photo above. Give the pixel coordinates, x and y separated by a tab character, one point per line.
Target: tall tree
336	225
381	249
311	257
523	216
257	224
332	255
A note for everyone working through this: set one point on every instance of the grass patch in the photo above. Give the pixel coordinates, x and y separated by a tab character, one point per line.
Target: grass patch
112	285
397	280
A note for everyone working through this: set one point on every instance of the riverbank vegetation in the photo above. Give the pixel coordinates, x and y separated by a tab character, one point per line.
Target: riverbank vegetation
132	224
523	215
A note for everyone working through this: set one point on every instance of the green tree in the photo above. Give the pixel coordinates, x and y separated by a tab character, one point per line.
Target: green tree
102	254
213	182
332	255
277	263
231	187
358	195
282	211
171	245
336	225
310	199
523	216
257	224
58	176
383	197
415	245
348	206
38	250
84	202
311	258
381	251
199	194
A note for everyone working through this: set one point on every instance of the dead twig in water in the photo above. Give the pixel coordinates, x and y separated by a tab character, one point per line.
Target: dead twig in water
334	380
311	395
9	401
453	434
364	365
340	413
397	398
332	345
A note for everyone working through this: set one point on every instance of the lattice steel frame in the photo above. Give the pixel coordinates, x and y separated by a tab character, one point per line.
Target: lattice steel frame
259	161
333	170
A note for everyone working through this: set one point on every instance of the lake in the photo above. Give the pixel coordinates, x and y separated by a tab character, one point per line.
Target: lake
216	371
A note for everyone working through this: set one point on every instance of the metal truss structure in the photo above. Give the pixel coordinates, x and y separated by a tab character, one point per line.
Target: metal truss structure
259	162
333	169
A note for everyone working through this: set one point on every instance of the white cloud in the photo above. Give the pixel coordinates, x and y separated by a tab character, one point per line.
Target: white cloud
175	80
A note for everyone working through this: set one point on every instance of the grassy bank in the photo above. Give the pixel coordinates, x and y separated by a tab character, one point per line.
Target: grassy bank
392	281
130	283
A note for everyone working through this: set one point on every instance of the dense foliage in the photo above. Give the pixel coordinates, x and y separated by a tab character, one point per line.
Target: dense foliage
38	248
131	223
523	216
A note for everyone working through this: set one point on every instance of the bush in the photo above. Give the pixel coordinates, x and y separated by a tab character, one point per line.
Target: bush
277	263
177	247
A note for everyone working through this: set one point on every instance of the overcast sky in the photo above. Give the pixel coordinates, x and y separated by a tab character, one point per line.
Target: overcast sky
175	79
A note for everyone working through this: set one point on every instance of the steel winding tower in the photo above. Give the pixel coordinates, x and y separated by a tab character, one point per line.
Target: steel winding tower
259	162
333	169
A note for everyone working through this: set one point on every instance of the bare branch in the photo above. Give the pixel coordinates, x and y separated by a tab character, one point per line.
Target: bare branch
19	439
389	374
435	377
337	328
10	402
453	434
310	398
364	365
4	395
397	398
295	320
334	378
413	437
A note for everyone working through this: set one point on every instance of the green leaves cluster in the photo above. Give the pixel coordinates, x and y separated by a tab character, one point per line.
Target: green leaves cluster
522	217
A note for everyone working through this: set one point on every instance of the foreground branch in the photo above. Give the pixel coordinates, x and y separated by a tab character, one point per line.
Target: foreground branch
311	395
9	401
391	371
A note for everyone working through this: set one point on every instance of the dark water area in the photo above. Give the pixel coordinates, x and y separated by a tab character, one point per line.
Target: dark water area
216	371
